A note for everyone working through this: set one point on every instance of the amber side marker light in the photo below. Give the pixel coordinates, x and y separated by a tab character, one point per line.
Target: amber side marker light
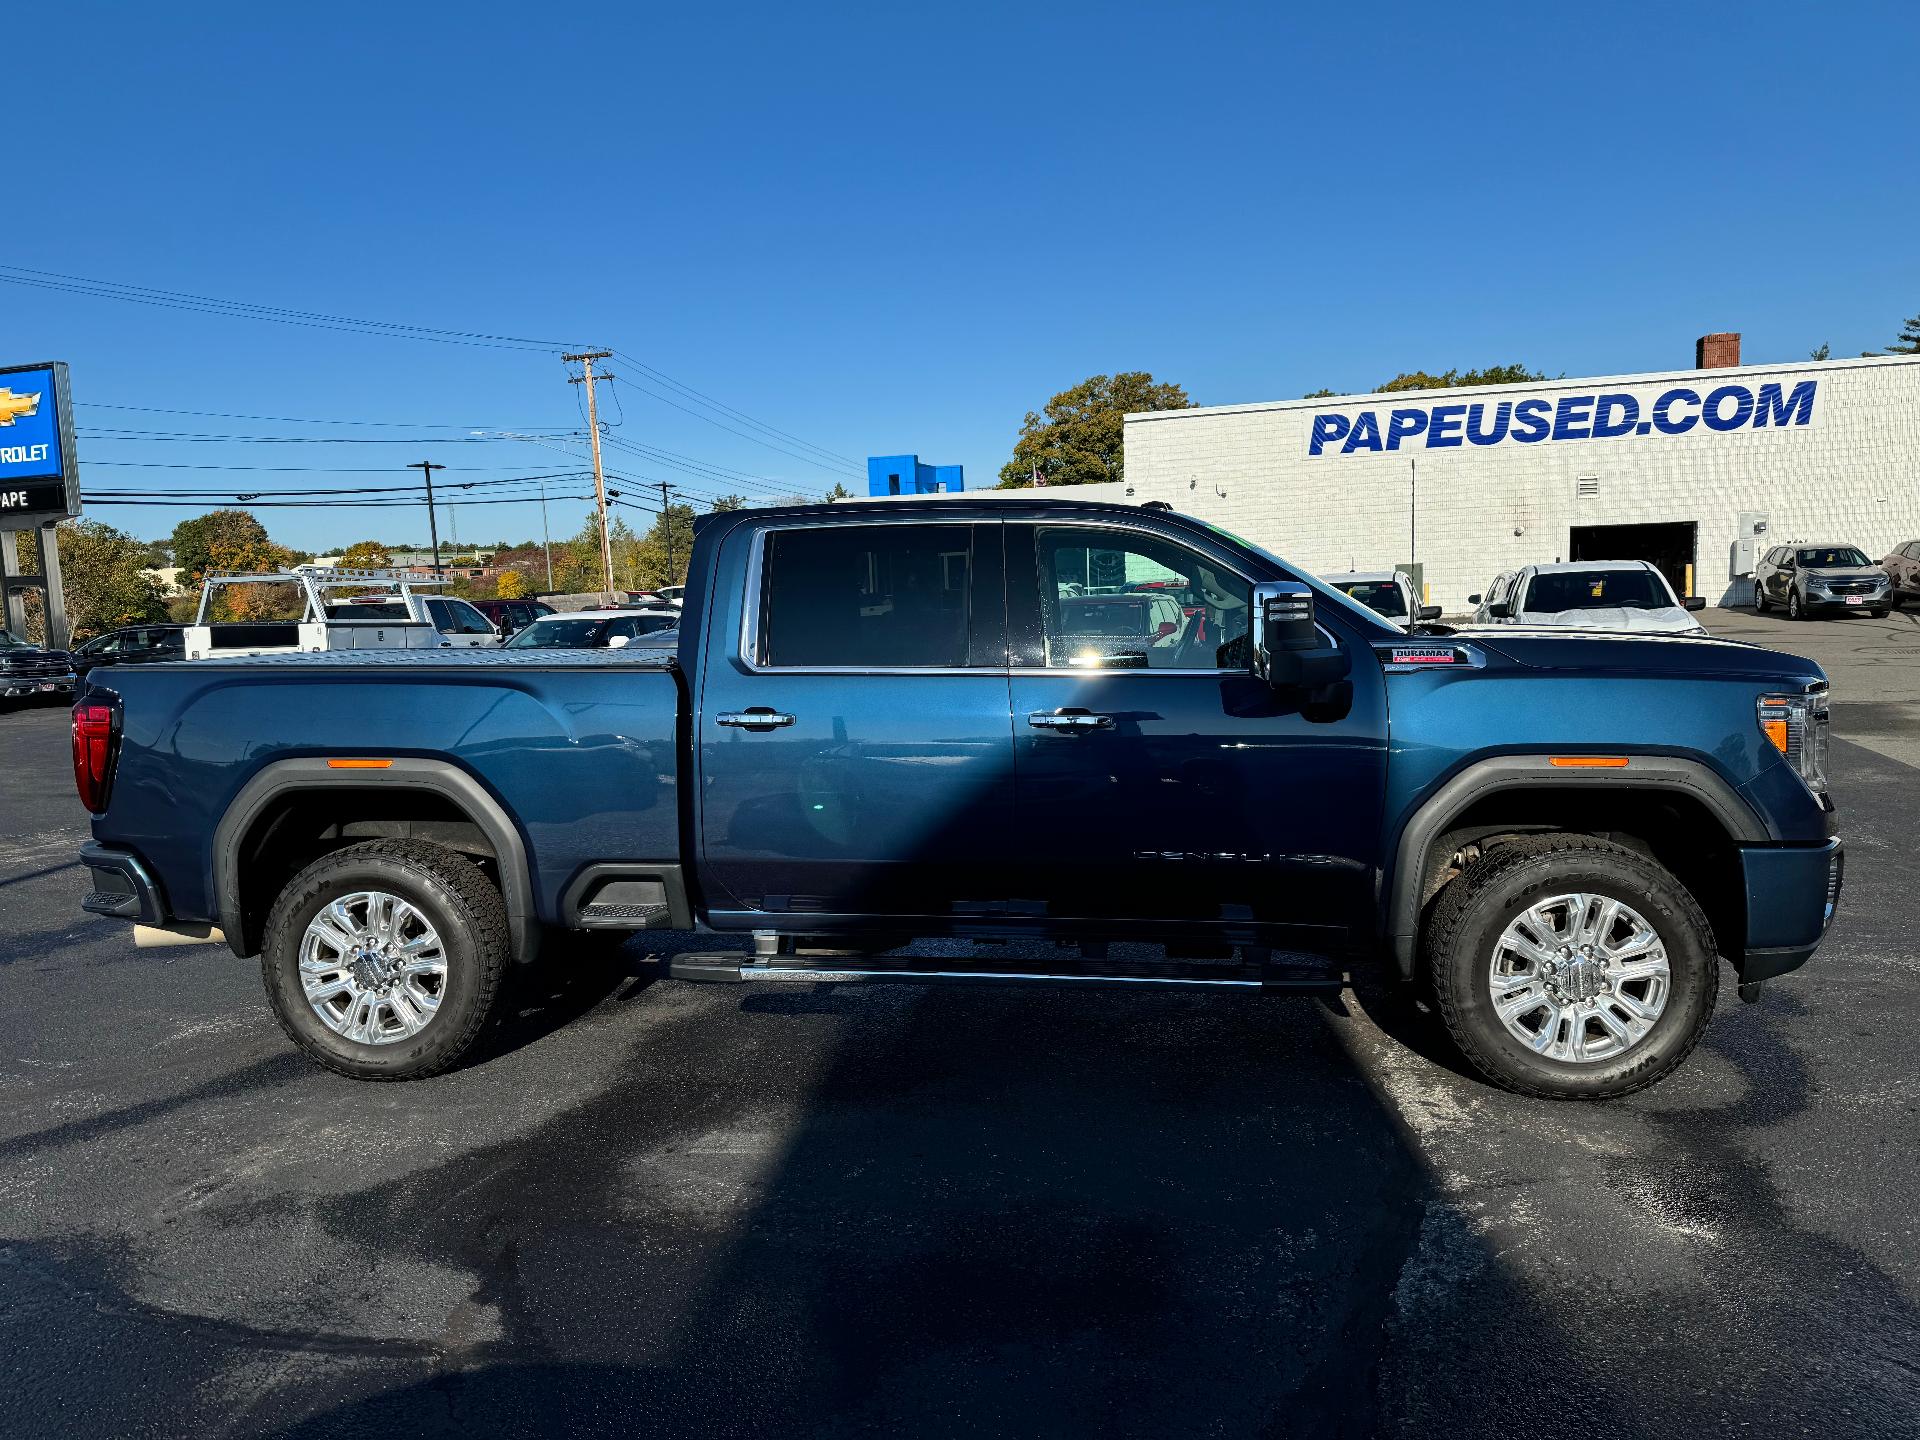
358	764
1773	723
1588	762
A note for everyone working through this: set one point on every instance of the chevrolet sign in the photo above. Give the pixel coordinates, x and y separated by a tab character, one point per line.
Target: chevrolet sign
39	475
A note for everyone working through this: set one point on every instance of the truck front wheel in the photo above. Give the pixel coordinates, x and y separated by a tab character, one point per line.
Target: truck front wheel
1571	968
383	960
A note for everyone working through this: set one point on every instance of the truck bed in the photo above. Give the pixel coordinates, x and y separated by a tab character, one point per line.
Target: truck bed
578	746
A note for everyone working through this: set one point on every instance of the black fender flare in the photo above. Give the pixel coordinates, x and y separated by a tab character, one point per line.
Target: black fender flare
1672	773
440	777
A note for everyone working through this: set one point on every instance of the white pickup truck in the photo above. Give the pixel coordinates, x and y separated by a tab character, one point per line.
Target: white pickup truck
394	617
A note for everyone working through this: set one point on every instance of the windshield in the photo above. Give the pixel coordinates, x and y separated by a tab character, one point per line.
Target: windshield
1596	590
573	632
8	641
1380	595
1832	558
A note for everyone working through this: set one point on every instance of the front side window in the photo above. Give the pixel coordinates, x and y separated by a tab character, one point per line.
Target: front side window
469	621
866	596
1114	600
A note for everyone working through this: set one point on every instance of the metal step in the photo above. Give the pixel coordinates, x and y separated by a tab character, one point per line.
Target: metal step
622	917
732	966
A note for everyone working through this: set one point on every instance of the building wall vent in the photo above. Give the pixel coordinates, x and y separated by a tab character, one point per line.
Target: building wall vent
1587	485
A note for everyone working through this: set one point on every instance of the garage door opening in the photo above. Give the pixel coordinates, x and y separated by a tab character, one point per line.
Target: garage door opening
1668	546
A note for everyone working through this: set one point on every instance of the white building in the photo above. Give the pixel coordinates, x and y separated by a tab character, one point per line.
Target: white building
1672	467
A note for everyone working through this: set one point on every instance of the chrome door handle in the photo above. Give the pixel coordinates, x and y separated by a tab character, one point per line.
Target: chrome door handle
1070	720
758	718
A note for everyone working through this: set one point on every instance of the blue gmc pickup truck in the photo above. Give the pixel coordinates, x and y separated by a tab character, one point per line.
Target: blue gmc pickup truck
1031	719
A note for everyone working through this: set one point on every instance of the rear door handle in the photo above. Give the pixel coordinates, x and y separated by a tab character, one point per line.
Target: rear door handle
757	718
1069	720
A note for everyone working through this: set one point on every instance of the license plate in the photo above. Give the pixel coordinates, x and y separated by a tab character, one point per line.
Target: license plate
1855	600
47	687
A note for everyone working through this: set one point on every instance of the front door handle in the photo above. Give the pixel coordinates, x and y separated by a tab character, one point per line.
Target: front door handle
757	718
1069	720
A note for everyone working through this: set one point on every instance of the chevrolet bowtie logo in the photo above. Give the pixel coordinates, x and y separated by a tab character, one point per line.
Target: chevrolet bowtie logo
13	407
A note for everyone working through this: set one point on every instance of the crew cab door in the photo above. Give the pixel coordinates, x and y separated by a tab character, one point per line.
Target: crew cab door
1168	782
853	736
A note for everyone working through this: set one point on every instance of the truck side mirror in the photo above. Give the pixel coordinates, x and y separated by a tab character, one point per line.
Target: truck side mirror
1289	652
1427	612
1695	602
1499	610
1475	599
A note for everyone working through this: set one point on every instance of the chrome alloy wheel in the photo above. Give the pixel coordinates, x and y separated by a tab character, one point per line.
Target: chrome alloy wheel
1579	978
373	968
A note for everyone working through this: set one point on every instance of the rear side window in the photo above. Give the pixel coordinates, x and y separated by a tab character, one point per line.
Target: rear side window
866	596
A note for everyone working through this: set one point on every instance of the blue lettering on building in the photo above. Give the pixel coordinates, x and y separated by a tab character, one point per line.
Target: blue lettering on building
1613	415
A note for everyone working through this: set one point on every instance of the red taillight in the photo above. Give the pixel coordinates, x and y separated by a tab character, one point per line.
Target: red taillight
93	754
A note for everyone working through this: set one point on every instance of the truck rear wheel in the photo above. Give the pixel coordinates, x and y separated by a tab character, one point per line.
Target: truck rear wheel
1571	968
383	960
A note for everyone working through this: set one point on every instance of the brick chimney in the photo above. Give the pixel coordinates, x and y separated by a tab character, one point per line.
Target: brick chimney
1717	352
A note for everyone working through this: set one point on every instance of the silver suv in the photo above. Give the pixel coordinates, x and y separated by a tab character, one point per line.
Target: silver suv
1808	580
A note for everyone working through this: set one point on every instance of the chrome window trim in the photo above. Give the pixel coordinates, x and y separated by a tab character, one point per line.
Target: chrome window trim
749	652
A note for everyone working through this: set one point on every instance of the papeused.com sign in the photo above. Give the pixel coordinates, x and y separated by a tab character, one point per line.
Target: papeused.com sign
1652	411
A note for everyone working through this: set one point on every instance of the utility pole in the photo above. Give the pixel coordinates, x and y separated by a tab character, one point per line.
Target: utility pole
666	527
586	359
426	468
546	535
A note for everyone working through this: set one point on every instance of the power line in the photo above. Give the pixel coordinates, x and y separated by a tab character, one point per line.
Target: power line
278	469
846	468
247	310
661	377
295	419
113	433
393	503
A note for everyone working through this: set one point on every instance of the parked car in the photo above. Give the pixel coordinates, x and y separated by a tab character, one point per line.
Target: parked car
672	594
877	729
594	629
134	645
1588	595
1807	580
1903	571
509	617
1385	592
27	670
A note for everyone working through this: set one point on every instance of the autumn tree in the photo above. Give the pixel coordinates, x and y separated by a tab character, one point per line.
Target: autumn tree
1078	439
511	585
193	541
366	555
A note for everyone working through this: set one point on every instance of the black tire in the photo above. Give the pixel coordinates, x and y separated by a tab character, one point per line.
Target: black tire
1761	604
1882	612
1473	910
456	898
1795	610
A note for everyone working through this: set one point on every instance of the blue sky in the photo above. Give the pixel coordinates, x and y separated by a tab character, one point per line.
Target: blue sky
898	228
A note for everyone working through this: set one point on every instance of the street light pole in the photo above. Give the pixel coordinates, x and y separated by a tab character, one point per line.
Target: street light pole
426	468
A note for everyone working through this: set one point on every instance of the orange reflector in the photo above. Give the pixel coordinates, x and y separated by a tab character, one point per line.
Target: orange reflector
1588	762
1776	731
353	763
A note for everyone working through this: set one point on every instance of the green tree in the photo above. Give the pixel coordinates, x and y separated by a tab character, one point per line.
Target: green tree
1825	352
101	570
723	503
663	552
366	555
1449	379
193	540
838	492
1909	341
1077	441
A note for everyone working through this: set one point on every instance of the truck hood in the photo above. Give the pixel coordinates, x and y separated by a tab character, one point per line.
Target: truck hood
1676	654
32	657
1669	619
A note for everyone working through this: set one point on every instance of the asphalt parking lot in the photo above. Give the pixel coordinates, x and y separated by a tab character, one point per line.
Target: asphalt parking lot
659	1208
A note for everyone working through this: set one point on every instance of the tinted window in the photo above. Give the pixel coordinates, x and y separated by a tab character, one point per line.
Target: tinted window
885	596
562	632
354	610
1831	557
1596	590
1111	600
1381	595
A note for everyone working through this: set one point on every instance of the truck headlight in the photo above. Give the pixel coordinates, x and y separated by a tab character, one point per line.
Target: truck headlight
1796	725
